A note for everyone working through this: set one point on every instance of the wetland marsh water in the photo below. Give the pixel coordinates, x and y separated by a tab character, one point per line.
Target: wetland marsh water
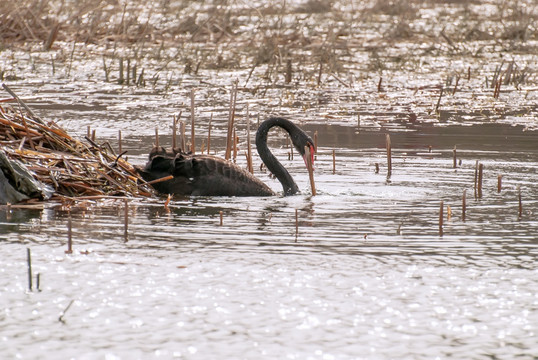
365	275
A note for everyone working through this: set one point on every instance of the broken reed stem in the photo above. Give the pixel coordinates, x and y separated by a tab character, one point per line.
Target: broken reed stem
61	318
174	132
16	97
379	84
29	262
69	235
463	205
439	101
480	177
182	135
476	180
156	137
389	155
220	215
120	150
120	78
497	89
235	139
38	282
231	117
193	146
166	178
125	219
209	133
249	150
167	202
499	183
310	169
520	212
441	208
456	86
334	162
128	79
454	160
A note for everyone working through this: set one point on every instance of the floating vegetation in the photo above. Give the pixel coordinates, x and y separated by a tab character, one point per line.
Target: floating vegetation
40	160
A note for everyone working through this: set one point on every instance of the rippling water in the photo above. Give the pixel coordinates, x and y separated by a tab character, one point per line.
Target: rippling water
365	274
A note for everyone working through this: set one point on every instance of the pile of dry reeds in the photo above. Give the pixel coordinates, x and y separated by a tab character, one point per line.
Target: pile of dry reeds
70	167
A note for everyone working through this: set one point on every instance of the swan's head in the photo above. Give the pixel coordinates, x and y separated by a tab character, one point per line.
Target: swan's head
302	141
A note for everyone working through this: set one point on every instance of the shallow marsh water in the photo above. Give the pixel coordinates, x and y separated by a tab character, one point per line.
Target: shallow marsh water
364	275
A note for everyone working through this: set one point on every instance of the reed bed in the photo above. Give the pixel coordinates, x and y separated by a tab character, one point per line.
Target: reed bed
70	168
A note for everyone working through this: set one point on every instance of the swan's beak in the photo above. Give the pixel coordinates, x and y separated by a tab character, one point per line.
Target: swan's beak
312	151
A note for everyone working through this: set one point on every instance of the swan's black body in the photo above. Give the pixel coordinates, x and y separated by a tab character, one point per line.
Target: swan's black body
205	175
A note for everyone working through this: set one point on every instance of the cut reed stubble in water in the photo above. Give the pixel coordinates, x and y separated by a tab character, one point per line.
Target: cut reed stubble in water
193	145
69	235
480	178
29	264
389	155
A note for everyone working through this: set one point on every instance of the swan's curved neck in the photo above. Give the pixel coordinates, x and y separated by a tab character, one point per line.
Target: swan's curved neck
288	184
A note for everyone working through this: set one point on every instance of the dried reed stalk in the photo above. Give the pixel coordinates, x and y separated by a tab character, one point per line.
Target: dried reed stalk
174	132
182	135
69	235
389	155
72	168
193	146
29	264
439	101
231	118
120	149
334	162
476	180
250	167
480	177
209	133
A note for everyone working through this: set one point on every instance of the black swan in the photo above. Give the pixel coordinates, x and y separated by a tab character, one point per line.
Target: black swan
205	175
